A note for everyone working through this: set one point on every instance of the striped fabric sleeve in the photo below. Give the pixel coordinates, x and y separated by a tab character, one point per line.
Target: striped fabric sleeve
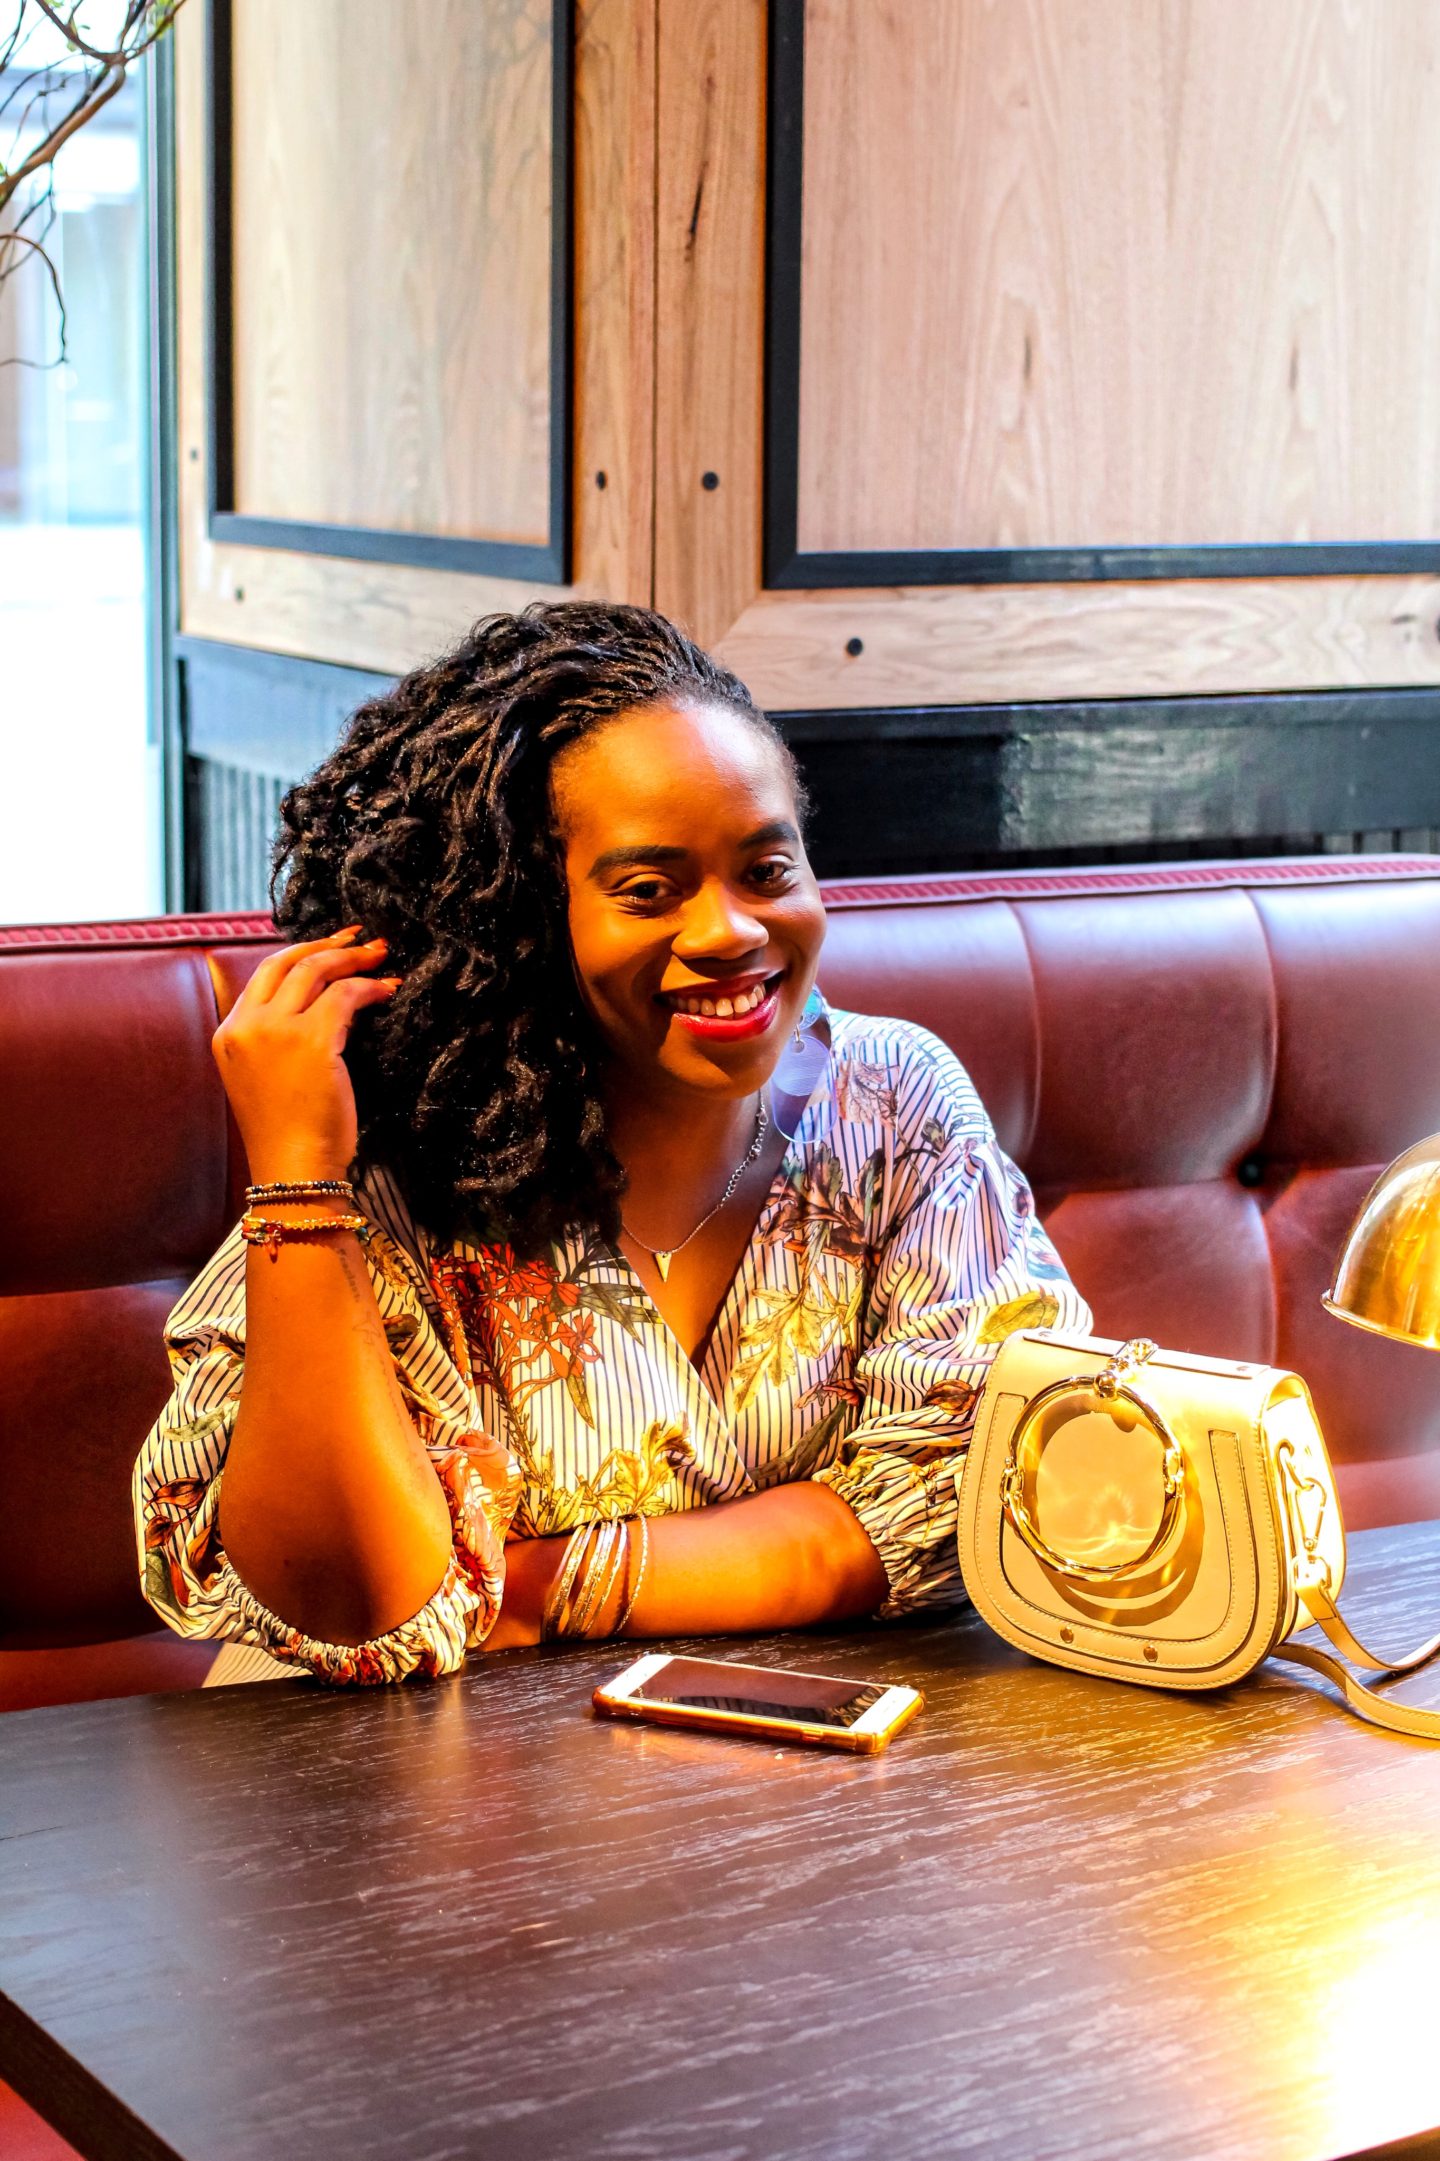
186	1574
964	1264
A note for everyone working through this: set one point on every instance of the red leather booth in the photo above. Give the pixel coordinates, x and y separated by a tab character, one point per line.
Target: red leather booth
1201	1067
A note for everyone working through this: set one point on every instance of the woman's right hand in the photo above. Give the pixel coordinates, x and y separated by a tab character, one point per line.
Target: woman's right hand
280	1051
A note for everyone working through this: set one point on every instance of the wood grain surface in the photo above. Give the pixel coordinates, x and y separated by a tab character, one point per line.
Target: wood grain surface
710	254
1097	272
956	644
1059	1917
391	188
928	645
388	617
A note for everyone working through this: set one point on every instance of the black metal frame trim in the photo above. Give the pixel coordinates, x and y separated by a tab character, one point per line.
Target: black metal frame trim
784	563
547	563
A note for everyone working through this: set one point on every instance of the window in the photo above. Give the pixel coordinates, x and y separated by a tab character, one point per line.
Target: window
80	789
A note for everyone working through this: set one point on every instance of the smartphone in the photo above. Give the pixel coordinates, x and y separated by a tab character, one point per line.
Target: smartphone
723	1697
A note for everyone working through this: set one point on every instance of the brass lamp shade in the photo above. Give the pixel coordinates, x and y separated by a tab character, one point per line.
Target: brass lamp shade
1388	1275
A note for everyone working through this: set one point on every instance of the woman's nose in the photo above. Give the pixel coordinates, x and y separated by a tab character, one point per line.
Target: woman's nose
717	921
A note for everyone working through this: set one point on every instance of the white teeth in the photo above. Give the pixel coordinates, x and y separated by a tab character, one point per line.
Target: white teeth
724	1008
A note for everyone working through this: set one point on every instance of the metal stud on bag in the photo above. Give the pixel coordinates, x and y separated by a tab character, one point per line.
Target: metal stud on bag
1103	1391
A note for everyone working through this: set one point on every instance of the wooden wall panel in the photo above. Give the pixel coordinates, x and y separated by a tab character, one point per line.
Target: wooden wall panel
391	234
386	617
933	645
710	242
710	239
1146	272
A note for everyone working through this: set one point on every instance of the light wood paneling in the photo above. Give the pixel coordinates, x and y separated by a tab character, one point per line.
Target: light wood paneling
710	326
954	645
391	190
939	644
1107	272
389	616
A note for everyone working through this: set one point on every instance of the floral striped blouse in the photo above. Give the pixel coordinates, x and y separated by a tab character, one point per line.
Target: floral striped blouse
897	1247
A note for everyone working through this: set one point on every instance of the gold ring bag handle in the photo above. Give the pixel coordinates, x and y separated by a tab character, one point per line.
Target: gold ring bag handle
1105	1390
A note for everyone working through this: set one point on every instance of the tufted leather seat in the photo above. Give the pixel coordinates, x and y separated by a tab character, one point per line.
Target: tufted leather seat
1201	1067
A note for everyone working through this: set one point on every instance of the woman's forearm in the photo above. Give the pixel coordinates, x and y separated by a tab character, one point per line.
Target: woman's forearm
331	1512
788	1558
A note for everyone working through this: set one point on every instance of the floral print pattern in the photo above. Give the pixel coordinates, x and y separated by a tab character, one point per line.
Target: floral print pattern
898	1246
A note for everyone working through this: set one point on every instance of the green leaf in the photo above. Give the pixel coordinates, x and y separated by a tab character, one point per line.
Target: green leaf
579	1394
1037	1309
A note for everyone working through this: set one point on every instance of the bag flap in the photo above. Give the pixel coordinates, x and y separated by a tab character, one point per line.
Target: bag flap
1172	1559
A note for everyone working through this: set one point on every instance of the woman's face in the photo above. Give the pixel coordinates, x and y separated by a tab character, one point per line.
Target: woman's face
695	919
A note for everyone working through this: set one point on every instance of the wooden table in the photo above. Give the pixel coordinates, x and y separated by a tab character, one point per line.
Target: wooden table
1059	1917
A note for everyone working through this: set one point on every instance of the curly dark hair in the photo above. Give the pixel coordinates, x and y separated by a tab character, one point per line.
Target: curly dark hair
431	824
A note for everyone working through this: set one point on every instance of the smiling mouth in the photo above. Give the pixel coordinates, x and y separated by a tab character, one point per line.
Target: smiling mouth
706	1005
730	1016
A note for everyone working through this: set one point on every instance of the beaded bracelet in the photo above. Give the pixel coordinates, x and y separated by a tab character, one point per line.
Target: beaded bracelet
301	1189
272	1233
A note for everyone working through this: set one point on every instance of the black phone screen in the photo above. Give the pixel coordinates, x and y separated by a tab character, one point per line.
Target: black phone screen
708	1684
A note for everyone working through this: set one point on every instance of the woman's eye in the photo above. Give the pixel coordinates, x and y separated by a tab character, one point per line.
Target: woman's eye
773	874
645	892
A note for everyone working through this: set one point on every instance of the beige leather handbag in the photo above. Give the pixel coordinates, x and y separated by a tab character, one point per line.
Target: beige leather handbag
1157	1517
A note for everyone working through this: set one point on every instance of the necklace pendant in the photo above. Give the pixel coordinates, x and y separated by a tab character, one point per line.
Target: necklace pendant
662	1262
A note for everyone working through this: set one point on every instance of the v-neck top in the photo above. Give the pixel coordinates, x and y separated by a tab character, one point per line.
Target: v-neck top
896	1249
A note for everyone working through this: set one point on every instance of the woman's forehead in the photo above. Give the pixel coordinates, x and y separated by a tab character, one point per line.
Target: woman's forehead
680	764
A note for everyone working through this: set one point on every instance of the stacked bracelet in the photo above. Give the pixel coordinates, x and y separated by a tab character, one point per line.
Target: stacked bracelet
601	1573
301	1189
272	1232
554	1621
622	1619
585	1581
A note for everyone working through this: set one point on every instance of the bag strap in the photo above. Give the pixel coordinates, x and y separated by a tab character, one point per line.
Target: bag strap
1324	1612
1376	1709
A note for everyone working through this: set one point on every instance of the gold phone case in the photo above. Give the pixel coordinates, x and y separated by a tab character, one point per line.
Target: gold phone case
655	1712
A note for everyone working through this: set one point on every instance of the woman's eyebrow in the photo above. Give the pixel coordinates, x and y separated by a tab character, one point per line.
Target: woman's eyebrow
639	858
633	859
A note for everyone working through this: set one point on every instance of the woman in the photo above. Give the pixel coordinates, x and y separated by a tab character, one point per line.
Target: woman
661	1295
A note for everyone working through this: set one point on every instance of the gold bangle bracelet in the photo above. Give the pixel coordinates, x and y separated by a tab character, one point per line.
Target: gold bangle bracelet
621	1545
632	1598
557	1603
589	1599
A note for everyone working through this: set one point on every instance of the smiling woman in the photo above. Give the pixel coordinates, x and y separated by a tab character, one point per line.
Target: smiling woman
598	1278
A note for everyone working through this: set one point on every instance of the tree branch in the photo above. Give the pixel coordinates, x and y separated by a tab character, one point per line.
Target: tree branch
7	269
142	25
98	92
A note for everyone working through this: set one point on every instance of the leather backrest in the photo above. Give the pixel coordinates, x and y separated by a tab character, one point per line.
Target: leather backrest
117	1181
1201	1067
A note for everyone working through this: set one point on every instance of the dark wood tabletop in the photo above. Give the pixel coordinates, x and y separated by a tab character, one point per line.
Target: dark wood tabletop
1058	1916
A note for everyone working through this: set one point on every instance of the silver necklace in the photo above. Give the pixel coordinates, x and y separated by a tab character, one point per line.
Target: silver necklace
664	1255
